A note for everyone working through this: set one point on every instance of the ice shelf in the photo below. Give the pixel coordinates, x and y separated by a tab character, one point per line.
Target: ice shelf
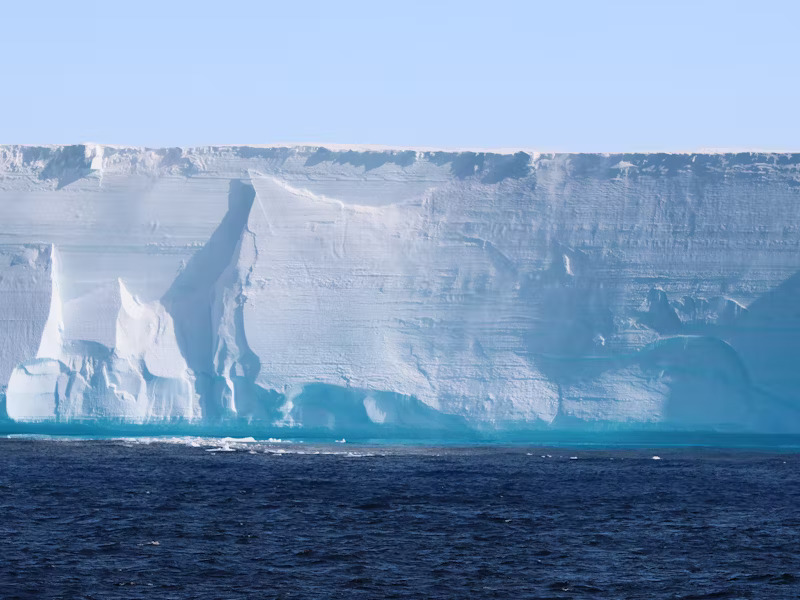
389	292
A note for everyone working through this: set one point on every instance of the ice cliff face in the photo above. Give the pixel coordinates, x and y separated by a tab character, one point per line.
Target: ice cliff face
383	291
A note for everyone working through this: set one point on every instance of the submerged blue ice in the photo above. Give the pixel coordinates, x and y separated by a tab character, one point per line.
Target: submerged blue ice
398	293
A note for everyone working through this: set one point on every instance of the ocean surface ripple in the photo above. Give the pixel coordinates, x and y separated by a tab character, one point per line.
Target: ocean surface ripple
151	519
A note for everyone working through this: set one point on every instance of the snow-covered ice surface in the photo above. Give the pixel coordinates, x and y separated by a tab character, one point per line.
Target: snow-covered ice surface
286	290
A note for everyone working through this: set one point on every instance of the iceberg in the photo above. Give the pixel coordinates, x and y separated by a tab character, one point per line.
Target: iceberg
375	292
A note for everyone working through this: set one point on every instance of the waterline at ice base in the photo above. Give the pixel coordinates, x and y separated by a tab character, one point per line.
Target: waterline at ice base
397	293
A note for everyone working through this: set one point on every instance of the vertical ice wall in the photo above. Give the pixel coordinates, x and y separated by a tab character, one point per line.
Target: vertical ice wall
28	291
29	296
387	298
308	287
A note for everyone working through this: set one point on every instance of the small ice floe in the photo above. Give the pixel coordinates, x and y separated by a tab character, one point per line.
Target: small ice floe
341	441
153	543
573	458
223	448
656	458
242	440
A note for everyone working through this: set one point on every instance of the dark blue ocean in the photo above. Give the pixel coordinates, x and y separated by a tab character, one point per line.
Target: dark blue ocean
223	520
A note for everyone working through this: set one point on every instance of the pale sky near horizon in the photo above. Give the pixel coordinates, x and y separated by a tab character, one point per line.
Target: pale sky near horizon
563	75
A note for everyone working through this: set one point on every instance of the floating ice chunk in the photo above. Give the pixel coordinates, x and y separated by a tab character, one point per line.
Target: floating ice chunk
224	448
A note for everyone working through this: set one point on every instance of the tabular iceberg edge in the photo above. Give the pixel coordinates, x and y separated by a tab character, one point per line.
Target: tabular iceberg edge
398	293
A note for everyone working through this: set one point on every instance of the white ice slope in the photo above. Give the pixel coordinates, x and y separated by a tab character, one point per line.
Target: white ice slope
378	291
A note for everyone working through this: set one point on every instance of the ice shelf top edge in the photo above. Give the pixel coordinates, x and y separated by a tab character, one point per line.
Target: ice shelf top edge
303	147
71	163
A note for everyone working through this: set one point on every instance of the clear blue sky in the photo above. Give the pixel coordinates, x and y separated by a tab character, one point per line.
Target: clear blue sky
575	75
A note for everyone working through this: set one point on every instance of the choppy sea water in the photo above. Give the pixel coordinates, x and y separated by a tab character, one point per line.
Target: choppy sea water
200	518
